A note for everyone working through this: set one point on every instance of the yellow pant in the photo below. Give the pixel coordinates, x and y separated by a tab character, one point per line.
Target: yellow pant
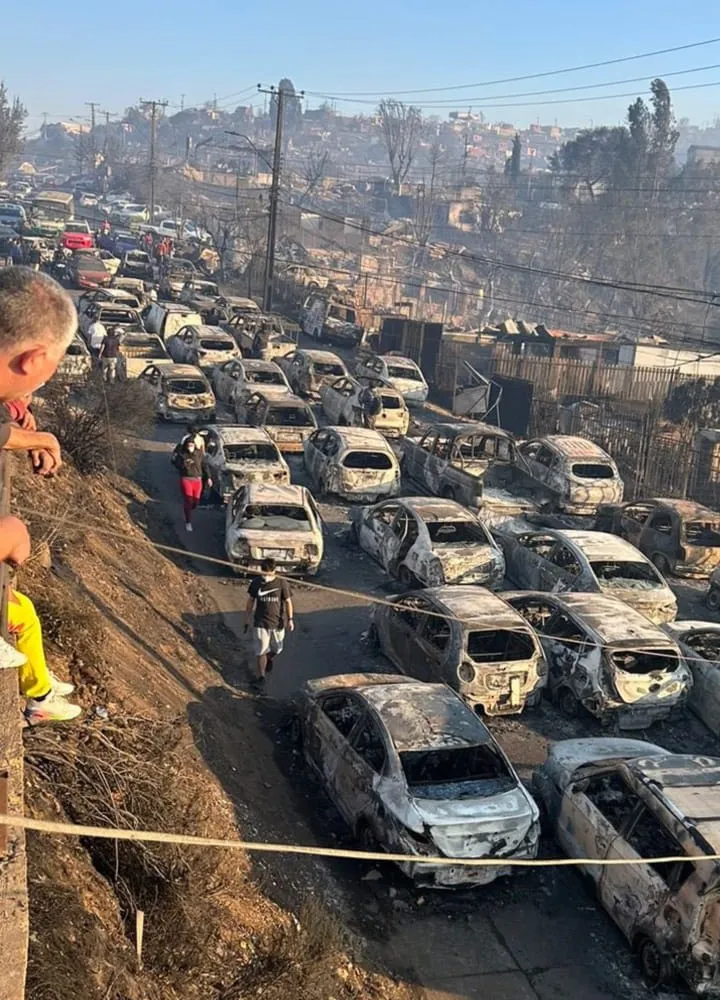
24	624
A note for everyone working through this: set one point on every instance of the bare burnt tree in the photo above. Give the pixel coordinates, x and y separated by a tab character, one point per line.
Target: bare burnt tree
12	117
401	125
426	196
314	170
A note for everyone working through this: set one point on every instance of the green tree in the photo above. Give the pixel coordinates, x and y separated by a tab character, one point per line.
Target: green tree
12	117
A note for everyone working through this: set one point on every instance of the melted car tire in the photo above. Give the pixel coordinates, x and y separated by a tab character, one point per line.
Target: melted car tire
406	577
712	599
656	968
372	639
661	564
567	703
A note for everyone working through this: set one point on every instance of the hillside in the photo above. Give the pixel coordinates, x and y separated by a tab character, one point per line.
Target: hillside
170	740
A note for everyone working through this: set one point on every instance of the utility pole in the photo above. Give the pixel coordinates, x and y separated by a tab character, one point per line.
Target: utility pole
92	105
279	94
153	105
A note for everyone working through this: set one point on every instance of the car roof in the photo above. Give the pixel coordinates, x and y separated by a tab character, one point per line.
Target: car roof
474	606
321	355
598	544
256	365
271	493
437	509
361	437
176	307
685	508
420	716
469	427
574	446
171	371
691	787
213	331
611	620
571	754
289	400
680	628
241	434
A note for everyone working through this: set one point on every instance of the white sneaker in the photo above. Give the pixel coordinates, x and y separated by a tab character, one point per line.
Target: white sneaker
10	657
62	688
50	709
188	526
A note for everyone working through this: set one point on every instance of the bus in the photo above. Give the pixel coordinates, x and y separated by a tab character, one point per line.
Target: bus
52	209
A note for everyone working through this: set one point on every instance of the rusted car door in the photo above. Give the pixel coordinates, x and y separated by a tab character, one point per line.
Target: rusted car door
526	554
417	454
404	622
590	813
375	531
329	723
399	541
700	648
660	536
356	774
632	520
314	457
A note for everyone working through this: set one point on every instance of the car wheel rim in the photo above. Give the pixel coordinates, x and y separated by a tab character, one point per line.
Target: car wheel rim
654	965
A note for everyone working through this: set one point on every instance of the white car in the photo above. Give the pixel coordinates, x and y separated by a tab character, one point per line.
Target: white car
238	455
352	462
76	365
348	402
137	351
236	380
428	542
204	346
400	372
273	522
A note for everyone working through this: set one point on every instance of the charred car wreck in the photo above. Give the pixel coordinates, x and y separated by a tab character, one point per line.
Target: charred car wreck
414	771
610	799
606	658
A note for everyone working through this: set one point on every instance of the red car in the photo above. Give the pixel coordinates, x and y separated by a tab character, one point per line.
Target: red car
77	236
85	270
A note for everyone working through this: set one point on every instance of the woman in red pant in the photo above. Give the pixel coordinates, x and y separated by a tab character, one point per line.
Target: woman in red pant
189	460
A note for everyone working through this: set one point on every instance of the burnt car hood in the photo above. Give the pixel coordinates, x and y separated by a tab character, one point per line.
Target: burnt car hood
459	560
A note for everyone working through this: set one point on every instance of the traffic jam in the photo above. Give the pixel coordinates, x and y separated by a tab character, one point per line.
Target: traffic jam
517	576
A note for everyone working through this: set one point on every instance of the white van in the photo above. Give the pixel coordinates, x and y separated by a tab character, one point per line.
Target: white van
167	318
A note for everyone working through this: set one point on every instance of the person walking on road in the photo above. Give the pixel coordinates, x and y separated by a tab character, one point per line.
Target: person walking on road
269	609
109	354
96	337
189	460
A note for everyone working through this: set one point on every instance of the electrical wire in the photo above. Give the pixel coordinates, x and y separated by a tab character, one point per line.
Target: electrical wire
527	76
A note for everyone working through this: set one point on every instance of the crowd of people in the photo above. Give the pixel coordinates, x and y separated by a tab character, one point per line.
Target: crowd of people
37	322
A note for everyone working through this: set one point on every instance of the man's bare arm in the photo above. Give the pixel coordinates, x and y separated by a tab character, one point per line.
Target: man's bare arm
289	613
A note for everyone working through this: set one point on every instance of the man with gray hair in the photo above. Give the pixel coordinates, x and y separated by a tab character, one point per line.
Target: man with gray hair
37	322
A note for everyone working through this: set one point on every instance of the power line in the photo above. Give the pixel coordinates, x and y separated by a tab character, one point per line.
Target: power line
527	76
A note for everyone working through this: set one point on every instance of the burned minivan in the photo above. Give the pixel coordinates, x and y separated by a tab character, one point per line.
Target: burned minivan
414	771
606	658
468	638
610	799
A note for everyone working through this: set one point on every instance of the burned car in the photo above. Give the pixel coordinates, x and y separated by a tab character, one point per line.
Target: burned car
287	419
264	521
349	402
466	637
180	392
308	371
679	536
699	643
203	346
237	379
574	473
76	365
455	460
606	658
427	542
137	351
607	799
352	462
576	560
237	455
398	371
712	594
414	771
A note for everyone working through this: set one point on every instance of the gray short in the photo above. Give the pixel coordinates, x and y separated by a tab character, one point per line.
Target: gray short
268	640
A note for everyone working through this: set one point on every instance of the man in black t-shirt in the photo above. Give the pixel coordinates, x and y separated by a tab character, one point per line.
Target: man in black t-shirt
269	607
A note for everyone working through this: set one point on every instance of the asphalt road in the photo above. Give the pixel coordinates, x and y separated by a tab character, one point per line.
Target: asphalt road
535	936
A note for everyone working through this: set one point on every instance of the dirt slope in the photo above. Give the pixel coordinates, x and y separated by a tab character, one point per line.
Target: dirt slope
164	688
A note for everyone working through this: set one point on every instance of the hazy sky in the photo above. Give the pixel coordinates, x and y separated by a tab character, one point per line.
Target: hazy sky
116	53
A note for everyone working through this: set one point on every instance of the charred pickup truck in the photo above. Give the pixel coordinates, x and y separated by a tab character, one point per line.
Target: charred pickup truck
414	771
625	799
606	658
456	460
679	536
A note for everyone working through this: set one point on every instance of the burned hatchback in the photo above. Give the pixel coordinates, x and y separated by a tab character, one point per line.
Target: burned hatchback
467	637
629	800
414	771
606	658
